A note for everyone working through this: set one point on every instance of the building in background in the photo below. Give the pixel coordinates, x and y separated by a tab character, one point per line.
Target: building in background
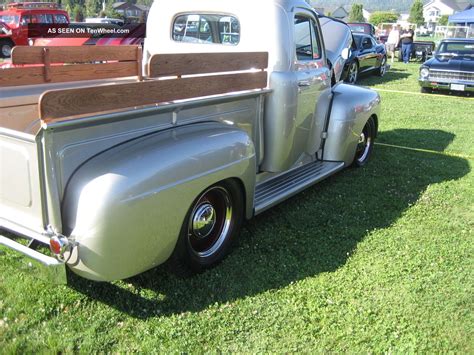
132	13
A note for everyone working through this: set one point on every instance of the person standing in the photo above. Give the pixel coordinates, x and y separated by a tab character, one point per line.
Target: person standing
407	43
392	41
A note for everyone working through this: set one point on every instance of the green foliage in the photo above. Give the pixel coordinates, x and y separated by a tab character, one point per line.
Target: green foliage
93	7
372	260
416	13
356	14
443	20
77	13
379	17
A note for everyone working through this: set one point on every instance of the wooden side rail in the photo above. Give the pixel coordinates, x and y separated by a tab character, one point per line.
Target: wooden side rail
71	63
161	65
61	104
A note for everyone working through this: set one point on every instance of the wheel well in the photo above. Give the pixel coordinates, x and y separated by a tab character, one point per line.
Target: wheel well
243	191
8	40
376	121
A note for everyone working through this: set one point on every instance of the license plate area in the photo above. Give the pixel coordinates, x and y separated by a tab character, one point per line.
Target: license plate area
457	87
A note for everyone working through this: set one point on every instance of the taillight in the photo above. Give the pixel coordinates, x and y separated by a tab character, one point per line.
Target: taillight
58	245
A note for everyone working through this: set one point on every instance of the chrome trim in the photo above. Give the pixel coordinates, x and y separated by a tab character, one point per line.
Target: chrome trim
22	231
47	268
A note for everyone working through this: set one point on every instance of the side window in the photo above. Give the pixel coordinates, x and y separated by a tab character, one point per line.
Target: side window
306	39
206	28
60	18
45	18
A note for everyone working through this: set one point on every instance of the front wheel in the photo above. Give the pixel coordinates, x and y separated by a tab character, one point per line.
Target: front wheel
211	225
365	144
5	48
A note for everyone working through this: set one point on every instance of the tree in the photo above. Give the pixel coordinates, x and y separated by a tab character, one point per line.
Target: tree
356	14
379	17
416	13
443	20
93	7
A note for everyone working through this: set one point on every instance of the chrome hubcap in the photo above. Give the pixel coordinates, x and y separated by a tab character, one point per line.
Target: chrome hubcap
362	138
204	220
210	221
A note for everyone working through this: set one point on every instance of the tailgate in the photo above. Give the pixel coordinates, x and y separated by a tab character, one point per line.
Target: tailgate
20	188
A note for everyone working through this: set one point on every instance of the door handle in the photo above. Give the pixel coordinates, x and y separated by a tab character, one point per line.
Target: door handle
304	83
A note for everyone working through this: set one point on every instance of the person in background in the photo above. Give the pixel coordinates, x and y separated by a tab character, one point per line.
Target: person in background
393	40
407	43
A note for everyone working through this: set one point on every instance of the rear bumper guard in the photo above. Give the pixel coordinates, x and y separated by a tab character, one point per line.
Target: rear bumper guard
44	267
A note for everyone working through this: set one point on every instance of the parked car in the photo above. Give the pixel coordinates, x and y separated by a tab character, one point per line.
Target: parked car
452	67
338	40
367	56
15	19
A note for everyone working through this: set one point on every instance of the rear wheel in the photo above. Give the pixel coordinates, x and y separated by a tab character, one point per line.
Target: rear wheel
426	90
383	67
211	225
353	73
365	144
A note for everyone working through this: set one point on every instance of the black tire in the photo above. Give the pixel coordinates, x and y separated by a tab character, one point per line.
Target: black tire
383	67
6	47
210	227
426	90
366	144
352	73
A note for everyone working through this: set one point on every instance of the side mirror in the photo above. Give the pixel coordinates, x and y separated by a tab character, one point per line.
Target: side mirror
346	53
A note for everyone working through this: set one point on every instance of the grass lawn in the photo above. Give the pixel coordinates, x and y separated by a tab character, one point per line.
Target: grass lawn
378	259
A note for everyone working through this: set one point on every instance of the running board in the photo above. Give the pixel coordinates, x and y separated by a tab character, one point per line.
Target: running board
273	191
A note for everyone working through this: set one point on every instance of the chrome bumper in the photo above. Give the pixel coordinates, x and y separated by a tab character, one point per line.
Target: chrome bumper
44	267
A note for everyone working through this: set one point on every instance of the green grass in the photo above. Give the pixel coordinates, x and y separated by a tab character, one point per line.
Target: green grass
378	259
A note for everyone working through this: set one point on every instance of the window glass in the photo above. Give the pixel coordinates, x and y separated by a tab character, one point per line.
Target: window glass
45	18
306	39
206	28
60	18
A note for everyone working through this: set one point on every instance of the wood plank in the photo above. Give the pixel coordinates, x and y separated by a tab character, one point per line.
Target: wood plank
73	54
58	104
202	63
65	73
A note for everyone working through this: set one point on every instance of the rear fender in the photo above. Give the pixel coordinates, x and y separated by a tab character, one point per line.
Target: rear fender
125	207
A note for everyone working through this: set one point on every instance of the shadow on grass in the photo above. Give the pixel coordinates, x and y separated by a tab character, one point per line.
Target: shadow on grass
311	233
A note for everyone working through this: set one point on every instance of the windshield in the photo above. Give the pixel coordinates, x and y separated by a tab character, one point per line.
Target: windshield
456	48
10	19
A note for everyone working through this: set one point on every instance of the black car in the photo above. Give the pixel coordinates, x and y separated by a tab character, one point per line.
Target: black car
452	67
367	56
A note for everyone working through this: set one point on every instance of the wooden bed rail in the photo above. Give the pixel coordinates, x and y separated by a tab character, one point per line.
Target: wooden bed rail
62	104
71	63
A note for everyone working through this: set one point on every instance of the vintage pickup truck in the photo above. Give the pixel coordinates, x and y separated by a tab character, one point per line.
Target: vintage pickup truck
123	160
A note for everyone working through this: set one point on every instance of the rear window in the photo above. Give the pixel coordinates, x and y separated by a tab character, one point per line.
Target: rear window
206	28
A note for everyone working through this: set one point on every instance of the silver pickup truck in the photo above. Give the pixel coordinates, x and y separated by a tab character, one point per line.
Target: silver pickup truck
123	160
